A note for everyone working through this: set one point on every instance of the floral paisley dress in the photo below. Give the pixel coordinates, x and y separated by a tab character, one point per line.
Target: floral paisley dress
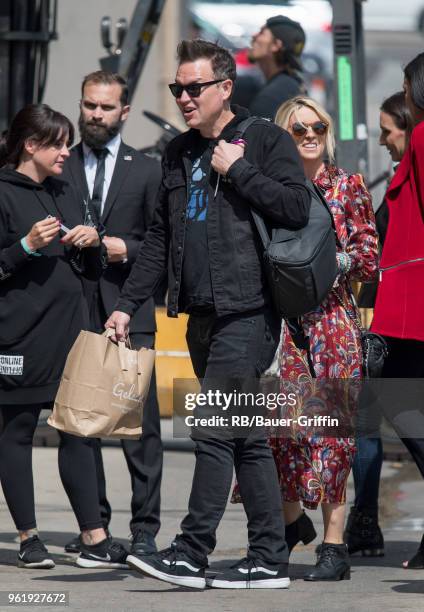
313	468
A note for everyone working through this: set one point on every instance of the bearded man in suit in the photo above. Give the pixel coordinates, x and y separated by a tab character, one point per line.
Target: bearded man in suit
117	186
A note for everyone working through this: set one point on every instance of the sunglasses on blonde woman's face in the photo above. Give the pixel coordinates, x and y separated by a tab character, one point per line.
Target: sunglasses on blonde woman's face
300	129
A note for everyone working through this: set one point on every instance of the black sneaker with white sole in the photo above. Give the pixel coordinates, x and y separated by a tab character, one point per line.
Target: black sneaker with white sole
107	554
74	545
251	574
33	554
142	543
170	565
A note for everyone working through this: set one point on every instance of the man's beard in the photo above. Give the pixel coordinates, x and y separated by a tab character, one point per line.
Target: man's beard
96	135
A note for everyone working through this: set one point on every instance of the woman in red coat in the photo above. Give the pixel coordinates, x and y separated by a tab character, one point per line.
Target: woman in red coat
399	308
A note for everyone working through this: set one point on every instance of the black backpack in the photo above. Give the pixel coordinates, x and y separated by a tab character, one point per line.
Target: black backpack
300	265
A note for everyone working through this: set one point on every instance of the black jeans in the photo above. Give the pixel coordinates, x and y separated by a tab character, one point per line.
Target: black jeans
405	360
238	347
76	466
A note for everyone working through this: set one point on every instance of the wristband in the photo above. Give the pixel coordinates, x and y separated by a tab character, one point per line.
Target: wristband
26	248
344	262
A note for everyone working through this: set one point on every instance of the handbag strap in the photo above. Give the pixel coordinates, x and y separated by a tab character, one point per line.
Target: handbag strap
354	318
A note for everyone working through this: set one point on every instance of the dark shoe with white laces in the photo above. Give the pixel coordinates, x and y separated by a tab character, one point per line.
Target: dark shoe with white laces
170	565
143	543
251	574
74	545
34	555
107	554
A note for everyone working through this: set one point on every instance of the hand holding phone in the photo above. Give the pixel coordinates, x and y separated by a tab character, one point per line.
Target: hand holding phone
42	233
62	227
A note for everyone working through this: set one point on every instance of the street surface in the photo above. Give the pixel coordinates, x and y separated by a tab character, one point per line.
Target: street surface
379	584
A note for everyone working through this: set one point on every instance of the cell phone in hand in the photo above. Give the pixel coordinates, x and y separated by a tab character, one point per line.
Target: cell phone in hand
62	227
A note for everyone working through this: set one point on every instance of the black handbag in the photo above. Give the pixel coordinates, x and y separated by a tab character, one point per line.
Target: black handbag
374	352
374	346
300	265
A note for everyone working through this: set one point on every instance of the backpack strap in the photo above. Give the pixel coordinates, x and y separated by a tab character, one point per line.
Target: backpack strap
242	127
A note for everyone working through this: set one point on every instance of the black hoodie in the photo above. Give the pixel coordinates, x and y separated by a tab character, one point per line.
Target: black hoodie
42	307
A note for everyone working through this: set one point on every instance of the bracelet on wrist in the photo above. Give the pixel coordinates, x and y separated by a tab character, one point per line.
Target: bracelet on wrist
28	249
344	262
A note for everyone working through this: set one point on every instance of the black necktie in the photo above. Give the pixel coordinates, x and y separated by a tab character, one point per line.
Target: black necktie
99	180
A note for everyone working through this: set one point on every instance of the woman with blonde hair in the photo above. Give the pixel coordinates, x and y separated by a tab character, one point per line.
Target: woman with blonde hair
313	468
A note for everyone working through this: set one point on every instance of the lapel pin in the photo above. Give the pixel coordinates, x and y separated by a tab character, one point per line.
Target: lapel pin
128	157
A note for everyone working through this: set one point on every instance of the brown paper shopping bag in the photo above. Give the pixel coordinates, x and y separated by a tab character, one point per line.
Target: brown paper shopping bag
103	388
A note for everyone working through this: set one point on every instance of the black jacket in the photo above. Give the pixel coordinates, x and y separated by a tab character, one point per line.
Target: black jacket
269	178
127	213
42	305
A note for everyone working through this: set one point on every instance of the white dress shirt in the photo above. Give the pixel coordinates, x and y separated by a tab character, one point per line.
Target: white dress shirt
90	166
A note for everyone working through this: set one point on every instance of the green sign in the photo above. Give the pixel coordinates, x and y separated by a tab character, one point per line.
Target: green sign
344	81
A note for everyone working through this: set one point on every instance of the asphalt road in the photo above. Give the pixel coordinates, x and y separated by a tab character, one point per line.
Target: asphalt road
376	584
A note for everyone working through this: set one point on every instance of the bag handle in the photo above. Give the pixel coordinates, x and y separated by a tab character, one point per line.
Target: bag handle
108	333
122	345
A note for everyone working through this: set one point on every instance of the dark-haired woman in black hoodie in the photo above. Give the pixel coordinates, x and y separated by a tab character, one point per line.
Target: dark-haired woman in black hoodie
44	248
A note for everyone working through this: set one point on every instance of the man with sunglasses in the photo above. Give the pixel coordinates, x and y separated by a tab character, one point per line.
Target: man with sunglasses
204	234
276	49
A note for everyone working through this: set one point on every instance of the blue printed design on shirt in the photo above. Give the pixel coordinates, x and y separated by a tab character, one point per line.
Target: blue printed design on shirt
197	206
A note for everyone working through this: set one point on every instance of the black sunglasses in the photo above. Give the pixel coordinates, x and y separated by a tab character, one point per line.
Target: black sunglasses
319	128
193	89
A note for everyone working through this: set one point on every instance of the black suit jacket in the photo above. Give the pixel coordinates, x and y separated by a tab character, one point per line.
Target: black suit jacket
127	213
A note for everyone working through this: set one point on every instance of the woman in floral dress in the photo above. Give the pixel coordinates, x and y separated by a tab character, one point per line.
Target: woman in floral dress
312	467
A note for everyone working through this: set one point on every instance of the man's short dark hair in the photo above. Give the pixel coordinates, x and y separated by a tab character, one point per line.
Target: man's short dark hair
104	77
223	64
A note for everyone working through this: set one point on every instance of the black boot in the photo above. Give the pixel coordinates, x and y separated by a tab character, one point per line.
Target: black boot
363	534
332	564
417	561
301	530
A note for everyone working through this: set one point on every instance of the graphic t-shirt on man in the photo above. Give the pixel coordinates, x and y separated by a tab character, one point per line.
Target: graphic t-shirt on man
196	277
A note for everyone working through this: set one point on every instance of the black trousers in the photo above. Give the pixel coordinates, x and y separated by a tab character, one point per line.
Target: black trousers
406	360
76	466
237	347
144	457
